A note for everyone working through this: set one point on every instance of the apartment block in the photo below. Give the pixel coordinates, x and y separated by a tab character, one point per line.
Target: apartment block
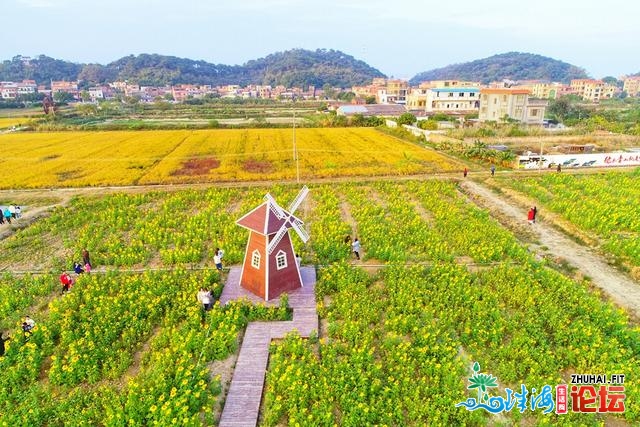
497	104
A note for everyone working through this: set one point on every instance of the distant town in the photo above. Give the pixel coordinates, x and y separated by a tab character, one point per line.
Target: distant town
521	101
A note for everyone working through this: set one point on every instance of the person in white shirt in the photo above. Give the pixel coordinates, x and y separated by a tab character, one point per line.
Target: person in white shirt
217	258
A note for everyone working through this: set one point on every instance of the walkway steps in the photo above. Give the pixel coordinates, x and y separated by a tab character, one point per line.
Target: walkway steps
242	404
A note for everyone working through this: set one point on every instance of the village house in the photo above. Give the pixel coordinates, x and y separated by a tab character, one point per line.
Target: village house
592	90
498	104
632	85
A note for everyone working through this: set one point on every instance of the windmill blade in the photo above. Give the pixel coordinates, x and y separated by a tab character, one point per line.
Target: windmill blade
276	239
299	198
274	206
297	225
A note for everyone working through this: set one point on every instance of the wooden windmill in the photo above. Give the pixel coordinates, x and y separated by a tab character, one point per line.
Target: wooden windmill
270	266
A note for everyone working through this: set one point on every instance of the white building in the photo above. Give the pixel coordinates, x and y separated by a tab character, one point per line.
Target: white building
453	100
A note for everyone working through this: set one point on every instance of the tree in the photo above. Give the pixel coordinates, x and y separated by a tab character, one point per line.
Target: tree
87	109
370	99
358	120
62	97
406	119
610	80
428	124
329	91
84	95
559	109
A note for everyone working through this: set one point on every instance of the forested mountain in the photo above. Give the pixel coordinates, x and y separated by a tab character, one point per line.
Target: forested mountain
511	65
42	69
297	67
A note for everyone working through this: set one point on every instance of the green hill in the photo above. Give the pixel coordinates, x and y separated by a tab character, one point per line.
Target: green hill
511	65
296	67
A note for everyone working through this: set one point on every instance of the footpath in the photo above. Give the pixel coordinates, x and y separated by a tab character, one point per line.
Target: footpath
242	404
623	290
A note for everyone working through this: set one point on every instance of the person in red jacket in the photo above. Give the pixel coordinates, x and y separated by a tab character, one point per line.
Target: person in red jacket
67	281
531	216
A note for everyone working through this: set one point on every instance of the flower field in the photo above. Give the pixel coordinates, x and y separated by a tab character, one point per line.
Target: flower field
68	159
7	122
606	204
396	346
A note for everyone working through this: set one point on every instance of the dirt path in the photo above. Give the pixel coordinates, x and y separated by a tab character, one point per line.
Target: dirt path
623	290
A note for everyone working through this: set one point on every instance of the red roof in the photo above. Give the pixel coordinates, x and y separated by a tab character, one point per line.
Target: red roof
262	220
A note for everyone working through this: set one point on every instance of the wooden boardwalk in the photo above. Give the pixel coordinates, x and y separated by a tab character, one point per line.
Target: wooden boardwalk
242	404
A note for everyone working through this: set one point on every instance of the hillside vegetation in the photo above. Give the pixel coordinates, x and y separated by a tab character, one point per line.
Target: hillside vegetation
511	65
296	67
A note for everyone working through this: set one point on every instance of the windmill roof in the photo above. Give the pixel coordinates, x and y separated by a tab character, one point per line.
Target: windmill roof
262	220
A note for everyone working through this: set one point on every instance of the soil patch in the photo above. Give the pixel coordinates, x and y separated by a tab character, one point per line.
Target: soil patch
257	166
197	167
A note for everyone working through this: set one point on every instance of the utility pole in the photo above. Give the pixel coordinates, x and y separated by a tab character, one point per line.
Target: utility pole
540	162
295	148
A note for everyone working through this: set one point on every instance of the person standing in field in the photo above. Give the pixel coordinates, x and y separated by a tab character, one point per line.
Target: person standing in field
217	259
493	170
356	248
535	212
85	258
464	172
27	325
2	341
205	298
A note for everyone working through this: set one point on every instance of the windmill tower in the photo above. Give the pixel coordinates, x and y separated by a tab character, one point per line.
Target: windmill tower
269	267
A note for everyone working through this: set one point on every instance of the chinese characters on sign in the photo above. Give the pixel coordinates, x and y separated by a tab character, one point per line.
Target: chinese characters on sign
587	394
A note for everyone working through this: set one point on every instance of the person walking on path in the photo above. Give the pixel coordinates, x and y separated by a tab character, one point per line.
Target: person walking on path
530	216
535	212
356	248
559	168
493	170
7	215
66	280
85	258
465	172
77	267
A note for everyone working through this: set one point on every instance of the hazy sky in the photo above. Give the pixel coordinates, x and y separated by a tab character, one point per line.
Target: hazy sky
399	37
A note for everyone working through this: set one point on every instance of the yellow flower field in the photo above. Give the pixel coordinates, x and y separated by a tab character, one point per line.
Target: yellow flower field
33	160
7	122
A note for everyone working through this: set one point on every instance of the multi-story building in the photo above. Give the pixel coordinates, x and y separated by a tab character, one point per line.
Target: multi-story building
497	104
592	90
632	85
448	84
453	100
64	86
545	90
12	90
394	92
417	99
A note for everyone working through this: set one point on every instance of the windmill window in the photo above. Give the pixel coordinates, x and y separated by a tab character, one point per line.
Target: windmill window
255	259
281	260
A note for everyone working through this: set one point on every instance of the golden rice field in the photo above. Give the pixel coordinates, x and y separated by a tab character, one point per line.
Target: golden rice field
70	159
7	122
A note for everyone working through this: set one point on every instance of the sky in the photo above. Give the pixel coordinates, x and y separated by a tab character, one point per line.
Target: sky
400	38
